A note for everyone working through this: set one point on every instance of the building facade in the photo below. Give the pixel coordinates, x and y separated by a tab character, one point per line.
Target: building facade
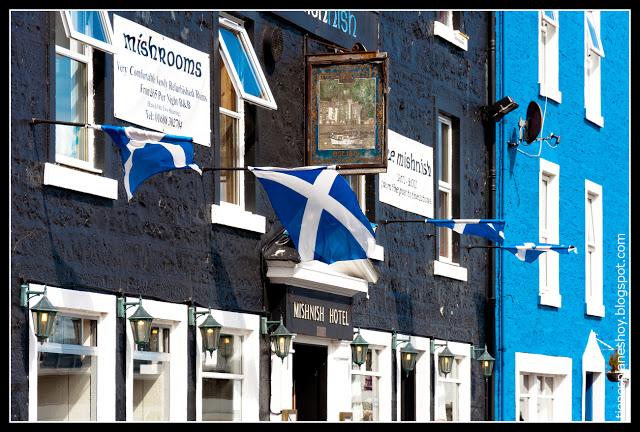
213	241
559	319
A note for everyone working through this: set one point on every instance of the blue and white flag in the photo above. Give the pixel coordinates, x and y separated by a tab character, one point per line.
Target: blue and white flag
529	252
492	229
145	153
320	211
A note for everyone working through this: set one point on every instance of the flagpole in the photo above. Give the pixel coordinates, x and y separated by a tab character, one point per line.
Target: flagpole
484	247
60	122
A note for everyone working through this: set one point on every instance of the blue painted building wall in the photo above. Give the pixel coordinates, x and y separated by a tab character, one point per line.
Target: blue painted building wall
587	151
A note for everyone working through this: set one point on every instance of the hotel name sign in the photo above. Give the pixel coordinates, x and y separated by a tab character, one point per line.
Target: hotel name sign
318	314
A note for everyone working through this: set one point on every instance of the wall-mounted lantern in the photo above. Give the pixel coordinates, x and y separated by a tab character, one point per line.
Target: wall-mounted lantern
140	321
280	338
359	348
408	354
209	329
445	358
44	314
485	359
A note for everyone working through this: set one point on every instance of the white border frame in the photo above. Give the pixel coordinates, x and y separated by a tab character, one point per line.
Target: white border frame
593	361
463	352
546	365
269	102
101	307
550	295
549	57
175	316
72	33
594	305
248	327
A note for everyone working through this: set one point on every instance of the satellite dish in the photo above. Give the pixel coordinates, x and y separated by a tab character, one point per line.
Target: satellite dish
533	123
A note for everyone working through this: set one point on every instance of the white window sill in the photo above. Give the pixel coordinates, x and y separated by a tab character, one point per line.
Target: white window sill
594	118
553	94
550	299
594	309
72	179
76	163
452	271
456	37
234	216
377	253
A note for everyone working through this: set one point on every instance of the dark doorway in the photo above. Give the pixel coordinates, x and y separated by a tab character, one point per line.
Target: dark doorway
310	381
588	397
408	396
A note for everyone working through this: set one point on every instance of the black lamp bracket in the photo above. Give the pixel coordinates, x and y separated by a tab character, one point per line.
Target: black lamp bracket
194	314
123	305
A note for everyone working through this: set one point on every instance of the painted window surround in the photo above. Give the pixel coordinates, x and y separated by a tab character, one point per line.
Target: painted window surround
101	307
592	80
462	351
593	361
548	365
548	56
448	33
247	326
423	377
175	316
550	295
338	373
594	304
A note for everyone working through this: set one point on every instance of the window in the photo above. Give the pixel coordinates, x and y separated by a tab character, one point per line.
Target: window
536	397
151	382
542	388
445	187
241	79
593	249
89	27
548	58
549	192
242	63
74	100
156	374
594	53
365	379
449	26
72	375
453	392
357	183
222	380
67	381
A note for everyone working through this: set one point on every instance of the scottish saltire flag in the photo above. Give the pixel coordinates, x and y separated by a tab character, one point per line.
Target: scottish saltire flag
320	211
529	252
145	153
492	229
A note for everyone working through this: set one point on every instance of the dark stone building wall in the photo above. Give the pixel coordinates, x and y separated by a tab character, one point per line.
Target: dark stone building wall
162	245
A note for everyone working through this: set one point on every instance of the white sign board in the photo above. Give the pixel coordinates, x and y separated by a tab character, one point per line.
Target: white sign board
408	182
160	83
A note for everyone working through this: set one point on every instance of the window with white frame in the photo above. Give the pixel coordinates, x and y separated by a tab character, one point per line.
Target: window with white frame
543	387
594	53
222	380
548	55
448	25
453	391
151	377
72	374
91	27
549	199
445	188
593	249
536	397
67	366
365	391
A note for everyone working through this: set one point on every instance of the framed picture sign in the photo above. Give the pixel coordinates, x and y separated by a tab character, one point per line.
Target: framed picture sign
347	111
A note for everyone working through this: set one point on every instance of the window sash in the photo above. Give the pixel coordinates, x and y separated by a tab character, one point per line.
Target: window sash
550	17
594	42
57	348
73	33
266	99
